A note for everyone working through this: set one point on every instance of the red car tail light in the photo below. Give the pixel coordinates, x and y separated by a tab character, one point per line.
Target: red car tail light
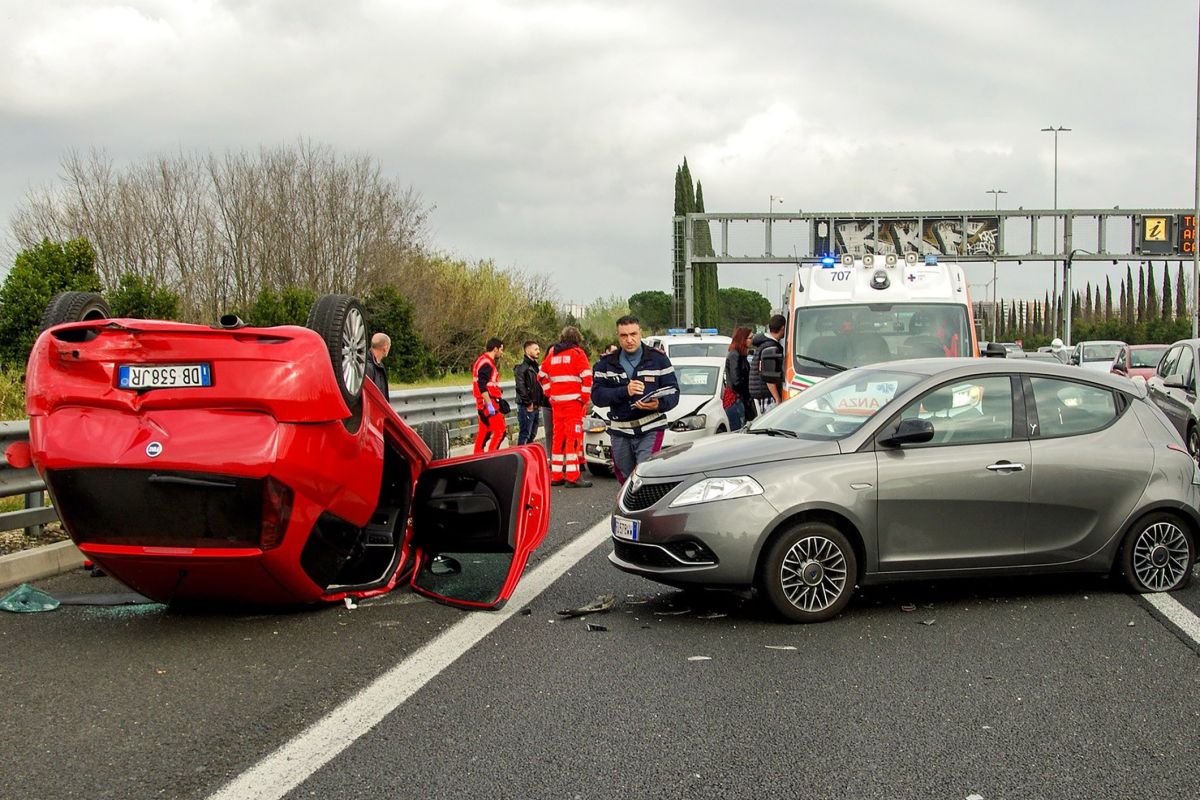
276	510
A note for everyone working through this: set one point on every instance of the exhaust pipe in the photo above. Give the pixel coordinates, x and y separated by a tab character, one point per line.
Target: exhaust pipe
231	321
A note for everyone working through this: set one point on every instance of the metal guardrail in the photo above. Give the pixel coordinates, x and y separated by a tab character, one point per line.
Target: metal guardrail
454	406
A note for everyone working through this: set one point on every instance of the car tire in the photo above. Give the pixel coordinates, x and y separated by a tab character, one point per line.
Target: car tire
1158	554
436	437
74	307
809	573
1193	441
339	321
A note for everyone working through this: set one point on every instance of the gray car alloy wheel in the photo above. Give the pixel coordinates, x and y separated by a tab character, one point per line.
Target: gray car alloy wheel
808	572
1161	556
354	349
813	574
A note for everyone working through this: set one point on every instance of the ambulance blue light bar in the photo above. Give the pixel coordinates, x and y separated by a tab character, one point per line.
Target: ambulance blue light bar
677	331
828	261
931	260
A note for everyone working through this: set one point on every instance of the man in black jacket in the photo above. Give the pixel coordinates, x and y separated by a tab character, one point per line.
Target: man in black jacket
381	343
766	367
530	397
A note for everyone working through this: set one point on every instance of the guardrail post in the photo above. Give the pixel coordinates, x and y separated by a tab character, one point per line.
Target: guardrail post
34	500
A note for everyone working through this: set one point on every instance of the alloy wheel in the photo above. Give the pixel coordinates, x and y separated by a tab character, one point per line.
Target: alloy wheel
354	350
813	574
1161	556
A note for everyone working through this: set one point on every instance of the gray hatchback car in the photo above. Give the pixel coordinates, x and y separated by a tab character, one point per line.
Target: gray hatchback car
920	469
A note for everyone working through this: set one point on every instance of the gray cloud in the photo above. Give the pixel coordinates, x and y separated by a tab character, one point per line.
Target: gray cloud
547	133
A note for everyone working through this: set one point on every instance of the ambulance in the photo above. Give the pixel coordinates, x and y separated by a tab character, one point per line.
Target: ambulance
849	311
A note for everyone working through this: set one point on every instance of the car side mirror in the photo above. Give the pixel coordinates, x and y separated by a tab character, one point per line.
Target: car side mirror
909	431
995	350
1174	381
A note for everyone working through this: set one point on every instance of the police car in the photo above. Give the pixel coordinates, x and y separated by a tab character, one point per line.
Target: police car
698	414
690	343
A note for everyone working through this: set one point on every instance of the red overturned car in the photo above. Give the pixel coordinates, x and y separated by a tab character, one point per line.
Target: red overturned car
256	465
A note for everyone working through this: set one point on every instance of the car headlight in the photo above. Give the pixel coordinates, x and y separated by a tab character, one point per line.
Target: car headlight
711	489
695	422
594	425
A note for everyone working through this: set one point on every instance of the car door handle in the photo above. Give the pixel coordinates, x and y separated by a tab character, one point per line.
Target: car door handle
1005	466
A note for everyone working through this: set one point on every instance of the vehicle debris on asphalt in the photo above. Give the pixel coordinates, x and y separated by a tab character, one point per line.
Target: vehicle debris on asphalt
27	600
598	606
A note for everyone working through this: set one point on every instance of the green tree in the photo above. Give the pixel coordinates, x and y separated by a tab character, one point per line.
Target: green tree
707	303
409	360
1129	304
741	308
652	308
704	276
1108	303
140	297
1141	295
288	307
1152	307
1181	307
37	275
1166	293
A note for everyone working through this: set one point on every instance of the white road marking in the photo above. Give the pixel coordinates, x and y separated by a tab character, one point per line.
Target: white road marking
1177	613
292	764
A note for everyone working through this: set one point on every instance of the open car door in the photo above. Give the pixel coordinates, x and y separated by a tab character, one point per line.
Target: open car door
475	522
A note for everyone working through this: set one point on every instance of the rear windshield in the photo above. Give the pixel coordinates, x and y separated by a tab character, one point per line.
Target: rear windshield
697	349
1102	352
1146	358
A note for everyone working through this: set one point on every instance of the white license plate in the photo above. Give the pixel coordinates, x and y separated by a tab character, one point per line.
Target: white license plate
164	376
623	528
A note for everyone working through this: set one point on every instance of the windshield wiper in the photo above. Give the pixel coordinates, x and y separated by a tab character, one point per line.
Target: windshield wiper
823	363
774	432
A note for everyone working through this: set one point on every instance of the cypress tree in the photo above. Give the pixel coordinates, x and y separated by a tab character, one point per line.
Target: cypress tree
1141	294
1087	303
1108	308
1181	307
1124	303
1166	294
1046	315
706	286
1127	304
1151	295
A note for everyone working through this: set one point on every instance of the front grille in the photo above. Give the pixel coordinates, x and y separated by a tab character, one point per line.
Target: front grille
153	507
646	495
643	555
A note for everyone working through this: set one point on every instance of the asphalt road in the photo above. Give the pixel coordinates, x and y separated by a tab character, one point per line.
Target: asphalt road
1017	689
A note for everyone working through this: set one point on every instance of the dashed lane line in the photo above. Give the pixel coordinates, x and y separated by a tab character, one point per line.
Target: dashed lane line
1177	614
292	764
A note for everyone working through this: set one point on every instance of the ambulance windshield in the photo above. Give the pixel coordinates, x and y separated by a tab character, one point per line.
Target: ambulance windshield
854	335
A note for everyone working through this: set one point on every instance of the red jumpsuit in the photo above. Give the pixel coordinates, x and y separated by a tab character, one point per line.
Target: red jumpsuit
485	385
566	378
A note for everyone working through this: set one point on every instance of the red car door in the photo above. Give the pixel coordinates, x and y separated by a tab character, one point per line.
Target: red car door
475	521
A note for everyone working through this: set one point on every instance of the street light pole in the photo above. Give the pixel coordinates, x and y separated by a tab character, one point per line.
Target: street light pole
1054	280
995	193
770	211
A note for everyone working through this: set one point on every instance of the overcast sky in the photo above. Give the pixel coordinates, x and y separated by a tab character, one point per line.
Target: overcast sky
546	134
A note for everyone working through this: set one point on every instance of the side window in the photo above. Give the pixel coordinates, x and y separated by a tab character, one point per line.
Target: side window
1065	408
1187	368
972	410
1167	365
1120	362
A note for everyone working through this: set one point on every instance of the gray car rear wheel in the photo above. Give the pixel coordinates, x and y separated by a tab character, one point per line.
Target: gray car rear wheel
809	572
1158	554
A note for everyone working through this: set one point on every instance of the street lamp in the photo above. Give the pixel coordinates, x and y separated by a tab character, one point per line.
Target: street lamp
1067	294
770	210
1054	280
995	193
780	276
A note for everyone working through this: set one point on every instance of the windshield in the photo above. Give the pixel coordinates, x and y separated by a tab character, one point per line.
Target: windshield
696	380
1146	358
697	350
1102	352
854	335
837	407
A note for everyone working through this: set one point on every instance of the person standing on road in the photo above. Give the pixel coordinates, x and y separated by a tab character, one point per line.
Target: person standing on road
381	345
566	378
737	379
530	397
489	401
638	386
766	370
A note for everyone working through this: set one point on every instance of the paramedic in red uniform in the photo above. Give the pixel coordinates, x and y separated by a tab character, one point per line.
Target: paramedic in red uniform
485	385
566	378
